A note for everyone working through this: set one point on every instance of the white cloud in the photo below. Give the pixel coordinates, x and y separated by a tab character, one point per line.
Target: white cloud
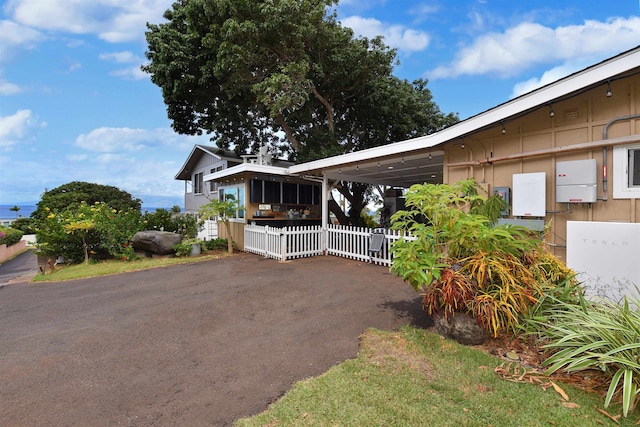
548	76
529	44
113	140
7	88
120	57
420	12
112	20
132	73
14	37
397	36
122	140
18	127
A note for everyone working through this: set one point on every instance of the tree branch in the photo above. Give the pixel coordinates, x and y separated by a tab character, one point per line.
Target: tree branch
327	105
288	132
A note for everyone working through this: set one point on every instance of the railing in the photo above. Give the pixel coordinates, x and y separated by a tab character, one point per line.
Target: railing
354	243
297	242
283	243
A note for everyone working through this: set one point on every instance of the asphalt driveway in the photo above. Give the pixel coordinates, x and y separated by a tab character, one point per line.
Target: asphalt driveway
193	344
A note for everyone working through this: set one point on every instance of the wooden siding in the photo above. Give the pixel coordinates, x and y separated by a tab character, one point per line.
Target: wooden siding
577	120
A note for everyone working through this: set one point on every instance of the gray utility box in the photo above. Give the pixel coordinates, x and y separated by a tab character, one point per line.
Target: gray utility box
576	181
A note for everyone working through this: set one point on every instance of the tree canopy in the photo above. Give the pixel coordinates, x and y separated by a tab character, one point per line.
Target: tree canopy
71	195
286	74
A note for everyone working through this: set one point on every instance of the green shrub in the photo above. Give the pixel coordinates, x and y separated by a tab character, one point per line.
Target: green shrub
185	247
215	244
595	335
174	222
86	230
10	236
460	261
23	224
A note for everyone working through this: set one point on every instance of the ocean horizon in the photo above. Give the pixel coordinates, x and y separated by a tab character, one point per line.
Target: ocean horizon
27	209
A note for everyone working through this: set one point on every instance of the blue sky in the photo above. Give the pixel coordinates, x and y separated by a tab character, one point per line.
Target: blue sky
74	104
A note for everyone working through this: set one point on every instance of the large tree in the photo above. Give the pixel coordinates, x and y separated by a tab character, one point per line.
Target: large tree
72	194
284	73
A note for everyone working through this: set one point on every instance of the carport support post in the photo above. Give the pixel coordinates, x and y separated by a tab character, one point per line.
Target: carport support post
325	211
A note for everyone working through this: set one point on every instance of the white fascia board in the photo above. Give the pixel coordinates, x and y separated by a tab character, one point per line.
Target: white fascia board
246	168
539	97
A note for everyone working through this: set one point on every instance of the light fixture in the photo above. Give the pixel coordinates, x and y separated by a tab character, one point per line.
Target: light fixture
551	112
357	167
378	164
430	156
462	145
403	160
609	89
503	128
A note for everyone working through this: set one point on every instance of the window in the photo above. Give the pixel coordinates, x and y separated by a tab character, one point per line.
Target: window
626	172
213	186
234	193
198	183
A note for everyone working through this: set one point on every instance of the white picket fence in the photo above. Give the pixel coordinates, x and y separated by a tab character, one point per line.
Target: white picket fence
354	243
283	243
297	242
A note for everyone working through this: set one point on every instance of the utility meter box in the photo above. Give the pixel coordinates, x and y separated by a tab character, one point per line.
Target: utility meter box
576	181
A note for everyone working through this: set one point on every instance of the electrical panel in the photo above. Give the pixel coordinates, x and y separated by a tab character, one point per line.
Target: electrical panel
505	193
576	181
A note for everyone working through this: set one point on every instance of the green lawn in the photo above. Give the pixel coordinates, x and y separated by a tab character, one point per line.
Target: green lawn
104	268
417	378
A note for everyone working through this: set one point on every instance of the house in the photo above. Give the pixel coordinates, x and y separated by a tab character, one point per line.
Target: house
566	155
203	160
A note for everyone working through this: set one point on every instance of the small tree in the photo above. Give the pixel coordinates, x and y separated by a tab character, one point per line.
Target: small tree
15	209
81	226
223	210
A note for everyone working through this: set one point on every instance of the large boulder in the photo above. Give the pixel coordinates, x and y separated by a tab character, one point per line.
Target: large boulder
460	327
155	242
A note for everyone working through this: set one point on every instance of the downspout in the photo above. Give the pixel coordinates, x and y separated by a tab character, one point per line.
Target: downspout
605	136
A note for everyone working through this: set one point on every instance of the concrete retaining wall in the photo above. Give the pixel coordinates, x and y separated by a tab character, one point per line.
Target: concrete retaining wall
11	251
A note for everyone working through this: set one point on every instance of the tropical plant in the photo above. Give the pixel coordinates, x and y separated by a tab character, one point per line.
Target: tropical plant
222	210
96	229
185	247
455	255
595	336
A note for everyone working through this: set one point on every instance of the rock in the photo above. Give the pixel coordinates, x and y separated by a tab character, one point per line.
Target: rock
155	242
460	327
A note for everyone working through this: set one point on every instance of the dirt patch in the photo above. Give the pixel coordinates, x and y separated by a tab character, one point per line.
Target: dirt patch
392	351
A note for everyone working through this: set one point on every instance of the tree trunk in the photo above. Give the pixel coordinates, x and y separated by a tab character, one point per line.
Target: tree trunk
229	239
338	212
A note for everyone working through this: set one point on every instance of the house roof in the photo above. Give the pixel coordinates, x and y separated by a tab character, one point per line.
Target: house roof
196	153
419	160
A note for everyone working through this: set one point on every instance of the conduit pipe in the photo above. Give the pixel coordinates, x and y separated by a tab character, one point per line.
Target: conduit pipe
605	136
548	151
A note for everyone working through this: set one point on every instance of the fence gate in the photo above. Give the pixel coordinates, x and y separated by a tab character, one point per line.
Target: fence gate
283	243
